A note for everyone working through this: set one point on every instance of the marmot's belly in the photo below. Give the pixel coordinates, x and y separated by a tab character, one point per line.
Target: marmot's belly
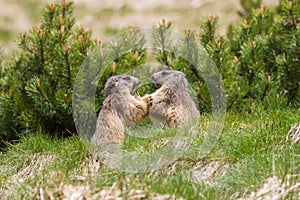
158	112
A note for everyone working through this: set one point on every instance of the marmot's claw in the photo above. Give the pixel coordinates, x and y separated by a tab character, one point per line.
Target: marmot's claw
136	94
149	100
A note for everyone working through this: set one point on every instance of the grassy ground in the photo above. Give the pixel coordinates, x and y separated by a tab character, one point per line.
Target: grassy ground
252	160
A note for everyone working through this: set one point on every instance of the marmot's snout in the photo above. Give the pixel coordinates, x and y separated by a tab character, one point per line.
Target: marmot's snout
157	86
159	78
136	83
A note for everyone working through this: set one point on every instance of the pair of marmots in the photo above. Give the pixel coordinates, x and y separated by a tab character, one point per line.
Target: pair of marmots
170	104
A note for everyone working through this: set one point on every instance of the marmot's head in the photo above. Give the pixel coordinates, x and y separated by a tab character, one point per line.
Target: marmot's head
115	84
170	78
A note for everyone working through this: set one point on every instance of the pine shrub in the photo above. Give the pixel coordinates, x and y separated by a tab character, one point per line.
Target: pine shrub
36	89
266	46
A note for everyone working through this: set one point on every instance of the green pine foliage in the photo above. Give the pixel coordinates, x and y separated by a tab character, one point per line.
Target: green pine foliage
265	45
162	42
36	90
250	43
185	57
218	48
287	40
258	60
127	53
37	87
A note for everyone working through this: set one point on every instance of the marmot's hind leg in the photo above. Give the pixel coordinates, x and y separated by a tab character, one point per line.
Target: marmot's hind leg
173	117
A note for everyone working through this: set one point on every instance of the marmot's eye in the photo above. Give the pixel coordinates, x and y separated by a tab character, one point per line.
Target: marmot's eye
127	78
164	73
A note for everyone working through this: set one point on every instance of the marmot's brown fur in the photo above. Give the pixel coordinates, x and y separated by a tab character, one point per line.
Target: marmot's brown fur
121	107
172	103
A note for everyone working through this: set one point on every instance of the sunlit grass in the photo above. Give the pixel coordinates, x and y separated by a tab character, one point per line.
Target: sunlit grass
253	147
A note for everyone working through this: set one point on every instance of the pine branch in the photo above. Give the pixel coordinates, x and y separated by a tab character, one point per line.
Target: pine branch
43	95
41	35
23	43
266	88
292	23
67	60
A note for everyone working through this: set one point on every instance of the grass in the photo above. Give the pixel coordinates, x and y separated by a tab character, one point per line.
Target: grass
108	12
5	35
32	7
252	149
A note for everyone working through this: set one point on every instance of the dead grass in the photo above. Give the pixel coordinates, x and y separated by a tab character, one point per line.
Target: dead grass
275	188
34	168
208	172
81	192
294	133
86	188
249	162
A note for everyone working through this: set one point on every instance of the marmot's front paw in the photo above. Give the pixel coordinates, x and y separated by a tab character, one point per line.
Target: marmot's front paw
148	99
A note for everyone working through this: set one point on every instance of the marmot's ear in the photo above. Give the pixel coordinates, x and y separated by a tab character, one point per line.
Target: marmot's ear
164	73
127	78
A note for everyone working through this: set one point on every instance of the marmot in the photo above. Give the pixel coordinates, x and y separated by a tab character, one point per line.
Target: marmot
121	107
172	103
